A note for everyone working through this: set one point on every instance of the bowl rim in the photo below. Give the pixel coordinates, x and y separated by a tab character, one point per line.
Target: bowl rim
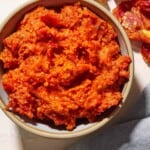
97	125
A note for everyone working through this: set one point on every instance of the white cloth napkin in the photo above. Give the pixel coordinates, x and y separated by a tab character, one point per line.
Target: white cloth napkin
132	133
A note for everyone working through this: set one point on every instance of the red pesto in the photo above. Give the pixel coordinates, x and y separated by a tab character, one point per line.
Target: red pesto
63	65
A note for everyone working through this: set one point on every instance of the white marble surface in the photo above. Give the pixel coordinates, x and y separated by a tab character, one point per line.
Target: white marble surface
14	138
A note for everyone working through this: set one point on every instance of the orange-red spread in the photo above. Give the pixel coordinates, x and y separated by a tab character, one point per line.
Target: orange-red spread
62	65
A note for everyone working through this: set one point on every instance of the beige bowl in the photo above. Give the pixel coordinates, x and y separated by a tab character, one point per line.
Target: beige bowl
42	129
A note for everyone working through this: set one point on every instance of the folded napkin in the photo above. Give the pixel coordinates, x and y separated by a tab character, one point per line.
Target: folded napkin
130	133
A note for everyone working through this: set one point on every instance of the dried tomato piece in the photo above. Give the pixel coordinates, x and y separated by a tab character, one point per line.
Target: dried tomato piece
145	51
134	16
144	7
123	7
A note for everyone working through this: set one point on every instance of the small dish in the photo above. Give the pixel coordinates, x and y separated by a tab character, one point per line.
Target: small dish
44	130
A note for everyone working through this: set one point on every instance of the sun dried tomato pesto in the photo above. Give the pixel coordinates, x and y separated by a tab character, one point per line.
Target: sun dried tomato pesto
63	65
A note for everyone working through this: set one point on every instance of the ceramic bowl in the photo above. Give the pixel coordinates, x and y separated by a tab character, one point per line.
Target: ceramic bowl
7	27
